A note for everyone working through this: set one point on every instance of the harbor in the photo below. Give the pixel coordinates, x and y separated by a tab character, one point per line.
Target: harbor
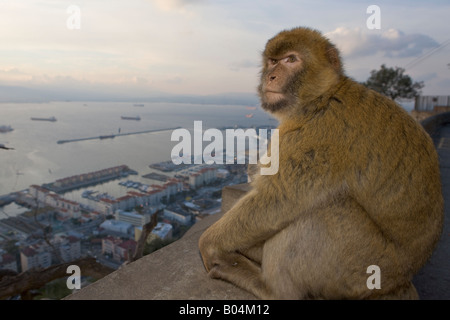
111	136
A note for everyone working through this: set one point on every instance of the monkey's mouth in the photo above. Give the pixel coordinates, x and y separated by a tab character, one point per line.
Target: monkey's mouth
273	94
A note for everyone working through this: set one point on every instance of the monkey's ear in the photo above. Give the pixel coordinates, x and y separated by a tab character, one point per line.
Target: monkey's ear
334	58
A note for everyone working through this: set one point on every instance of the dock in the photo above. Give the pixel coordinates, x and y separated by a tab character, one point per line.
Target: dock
88	179
111	136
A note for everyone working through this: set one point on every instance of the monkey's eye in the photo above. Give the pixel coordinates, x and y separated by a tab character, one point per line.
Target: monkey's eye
291	59
273	61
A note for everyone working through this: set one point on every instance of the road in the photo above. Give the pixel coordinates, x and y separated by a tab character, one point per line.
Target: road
433	281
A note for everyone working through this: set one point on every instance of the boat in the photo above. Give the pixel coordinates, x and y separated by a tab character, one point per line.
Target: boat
131	118
251	108
88	193
138	105
52	119
6	128
249	115
2	146
107	137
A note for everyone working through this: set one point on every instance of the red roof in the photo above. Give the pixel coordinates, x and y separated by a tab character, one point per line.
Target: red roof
134	193
28	252
72	239
126	197
69	201
7	258
129	244
107	200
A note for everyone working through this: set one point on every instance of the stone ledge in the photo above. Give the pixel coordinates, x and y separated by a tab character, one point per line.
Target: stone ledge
173	272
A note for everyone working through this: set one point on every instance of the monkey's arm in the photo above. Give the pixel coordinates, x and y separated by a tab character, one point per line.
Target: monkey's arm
303	181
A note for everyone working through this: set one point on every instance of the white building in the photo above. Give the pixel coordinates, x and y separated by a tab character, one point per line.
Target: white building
69	247
155	196
44	197
117	226
178	215
35	256
38	193
106	206
222	173
70	209
163	230
201	177
108	244
173	186
127	202
119	250
134	218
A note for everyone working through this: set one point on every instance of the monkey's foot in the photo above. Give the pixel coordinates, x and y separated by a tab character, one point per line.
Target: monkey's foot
241	272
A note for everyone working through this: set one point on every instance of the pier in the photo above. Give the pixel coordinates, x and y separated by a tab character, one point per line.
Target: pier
7	199
111	136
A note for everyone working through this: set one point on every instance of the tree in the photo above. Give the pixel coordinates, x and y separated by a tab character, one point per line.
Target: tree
393	83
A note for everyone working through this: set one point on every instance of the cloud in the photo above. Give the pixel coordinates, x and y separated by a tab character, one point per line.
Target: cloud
243	64
175	80
170	5
13	76
391	43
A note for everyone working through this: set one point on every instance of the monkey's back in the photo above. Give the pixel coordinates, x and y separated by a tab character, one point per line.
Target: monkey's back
393	168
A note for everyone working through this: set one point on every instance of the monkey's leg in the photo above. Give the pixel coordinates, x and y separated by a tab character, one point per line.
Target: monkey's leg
325	255
242	272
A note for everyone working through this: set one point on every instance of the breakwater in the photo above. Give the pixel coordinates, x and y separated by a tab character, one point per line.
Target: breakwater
111	136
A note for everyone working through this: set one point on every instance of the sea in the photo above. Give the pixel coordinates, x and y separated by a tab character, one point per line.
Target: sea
37	158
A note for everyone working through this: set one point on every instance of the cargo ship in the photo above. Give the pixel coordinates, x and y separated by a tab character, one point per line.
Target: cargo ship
107	137
52	119
6	128
131	118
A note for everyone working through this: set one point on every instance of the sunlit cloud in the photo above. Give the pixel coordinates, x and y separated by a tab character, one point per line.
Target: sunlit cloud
244	64
170	5
14	76
358	42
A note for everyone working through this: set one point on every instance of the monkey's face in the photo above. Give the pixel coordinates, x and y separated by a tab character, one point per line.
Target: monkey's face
280	79
299	65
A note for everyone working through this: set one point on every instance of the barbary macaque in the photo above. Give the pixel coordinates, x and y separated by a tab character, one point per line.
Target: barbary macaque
358	185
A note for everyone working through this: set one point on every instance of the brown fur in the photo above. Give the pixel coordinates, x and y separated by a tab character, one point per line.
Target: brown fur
358	185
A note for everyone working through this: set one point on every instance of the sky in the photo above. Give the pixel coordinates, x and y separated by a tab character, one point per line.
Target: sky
206	47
